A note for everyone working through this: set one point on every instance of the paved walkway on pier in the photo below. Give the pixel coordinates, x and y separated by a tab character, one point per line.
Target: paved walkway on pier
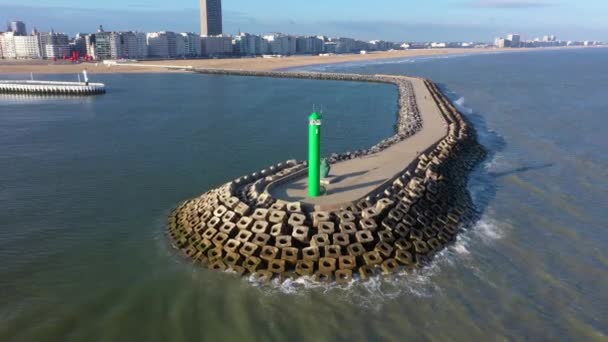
357	178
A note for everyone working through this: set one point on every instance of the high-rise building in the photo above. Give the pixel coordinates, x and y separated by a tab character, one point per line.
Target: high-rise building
192	44
133	45
79	45
216	46
502	43
16	46
27	47
17	27
515	40
309	45
7	44
246	44
158	45
172	44
345	45
116	46
89	41
280	44
53	45
162	44
101	44
211	17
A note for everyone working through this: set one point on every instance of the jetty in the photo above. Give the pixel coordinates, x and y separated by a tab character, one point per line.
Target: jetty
52	87
390	207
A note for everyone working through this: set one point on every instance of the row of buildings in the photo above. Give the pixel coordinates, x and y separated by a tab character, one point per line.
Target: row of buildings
104	45
37	45
515	41
16	43
245	44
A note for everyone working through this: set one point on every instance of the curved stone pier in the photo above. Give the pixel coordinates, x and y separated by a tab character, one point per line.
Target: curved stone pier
51	88
418	206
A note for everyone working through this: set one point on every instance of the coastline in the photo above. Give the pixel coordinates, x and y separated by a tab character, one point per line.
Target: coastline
252	64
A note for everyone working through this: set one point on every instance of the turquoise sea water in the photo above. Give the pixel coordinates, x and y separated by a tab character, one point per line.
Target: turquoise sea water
86	184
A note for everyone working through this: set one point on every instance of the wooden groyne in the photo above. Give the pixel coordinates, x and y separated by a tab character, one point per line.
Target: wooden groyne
403	223
51	88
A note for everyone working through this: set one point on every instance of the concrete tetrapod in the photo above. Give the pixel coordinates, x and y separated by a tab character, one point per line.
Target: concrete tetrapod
401	224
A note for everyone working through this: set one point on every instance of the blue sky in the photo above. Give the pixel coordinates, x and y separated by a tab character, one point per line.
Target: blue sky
407	20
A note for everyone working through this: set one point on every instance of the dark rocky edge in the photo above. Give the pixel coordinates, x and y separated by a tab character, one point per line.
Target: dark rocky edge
402	224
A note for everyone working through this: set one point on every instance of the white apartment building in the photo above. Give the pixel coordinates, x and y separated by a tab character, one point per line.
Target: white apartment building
279	44
26	47
7	40
246	44
133	45
192	44
56	51
162	44
330	47
380	45
502	43
515	40
436	45
345	45
79	45
89	42
309	45
261	46
102	46
158	44
116	46
2	47
180	46
216	45
141	42
58	43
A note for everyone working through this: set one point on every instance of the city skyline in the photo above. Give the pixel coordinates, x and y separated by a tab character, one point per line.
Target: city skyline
446	20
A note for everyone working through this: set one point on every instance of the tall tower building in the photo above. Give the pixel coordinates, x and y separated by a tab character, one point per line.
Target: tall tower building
18	27
211	17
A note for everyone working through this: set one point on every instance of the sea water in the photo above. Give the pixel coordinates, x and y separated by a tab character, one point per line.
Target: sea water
86	185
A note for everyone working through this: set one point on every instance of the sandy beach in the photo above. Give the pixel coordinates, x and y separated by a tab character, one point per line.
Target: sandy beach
256	64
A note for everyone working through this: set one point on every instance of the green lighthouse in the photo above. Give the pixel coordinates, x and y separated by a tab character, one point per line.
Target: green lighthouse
314	155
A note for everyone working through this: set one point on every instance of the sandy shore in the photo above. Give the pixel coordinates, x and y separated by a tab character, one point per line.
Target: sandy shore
257	64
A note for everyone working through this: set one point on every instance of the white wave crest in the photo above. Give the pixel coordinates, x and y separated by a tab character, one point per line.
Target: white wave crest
460	105
489	230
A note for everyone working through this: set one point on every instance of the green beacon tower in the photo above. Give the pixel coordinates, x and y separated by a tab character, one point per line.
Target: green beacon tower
314	155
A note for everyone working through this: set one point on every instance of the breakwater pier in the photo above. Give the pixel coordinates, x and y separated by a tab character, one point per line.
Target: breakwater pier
52	87
393	206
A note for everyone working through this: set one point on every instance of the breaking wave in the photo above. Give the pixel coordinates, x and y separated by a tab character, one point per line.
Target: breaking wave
460	105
